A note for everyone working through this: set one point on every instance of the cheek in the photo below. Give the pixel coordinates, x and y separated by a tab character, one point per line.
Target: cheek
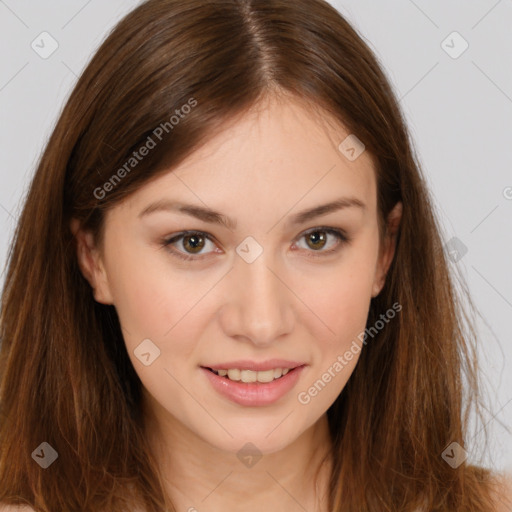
340	294
341	301
147	298
157	309
157	300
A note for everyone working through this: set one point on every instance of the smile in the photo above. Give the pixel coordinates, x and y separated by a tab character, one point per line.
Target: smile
247	376
254	387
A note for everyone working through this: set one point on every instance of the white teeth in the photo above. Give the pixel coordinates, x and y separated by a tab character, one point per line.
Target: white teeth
234	374
249	376
266	376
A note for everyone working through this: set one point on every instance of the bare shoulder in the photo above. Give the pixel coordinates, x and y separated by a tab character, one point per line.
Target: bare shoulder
503	492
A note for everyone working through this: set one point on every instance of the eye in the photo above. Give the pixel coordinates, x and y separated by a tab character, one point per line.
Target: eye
193	241
317	239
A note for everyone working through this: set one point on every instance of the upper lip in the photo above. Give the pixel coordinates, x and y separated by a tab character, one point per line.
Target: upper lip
255	366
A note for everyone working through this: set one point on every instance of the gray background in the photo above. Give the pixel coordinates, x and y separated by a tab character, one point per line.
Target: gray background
459	112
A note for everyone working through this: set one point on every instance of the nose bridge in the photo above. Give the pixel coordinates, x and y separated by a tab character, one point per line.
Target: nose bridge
260	300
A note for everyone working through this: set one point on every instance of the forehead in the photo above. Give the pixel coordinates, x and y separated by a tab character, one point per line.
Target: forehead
279	154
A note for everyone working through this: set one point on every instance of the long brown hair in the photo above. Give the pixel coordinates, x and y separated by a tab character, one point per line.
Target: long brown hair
66	378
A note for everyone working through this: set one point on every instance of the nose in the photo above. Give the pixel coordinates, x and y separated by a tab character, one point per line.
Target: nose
259	305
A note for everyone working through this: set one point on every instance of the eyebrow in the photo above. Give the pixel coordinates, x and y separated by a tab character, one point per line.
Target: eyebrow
214	217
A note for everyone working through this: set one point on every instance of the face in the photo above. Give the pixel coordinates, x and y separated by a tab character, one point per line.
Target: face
270	282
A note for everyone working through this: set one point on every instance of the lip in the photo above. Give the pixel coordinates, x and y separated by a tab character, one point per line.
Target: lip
245	364
253	394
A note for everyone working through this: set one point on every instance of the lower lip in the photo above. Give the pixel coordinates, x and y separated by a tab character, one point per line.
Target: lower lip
254	394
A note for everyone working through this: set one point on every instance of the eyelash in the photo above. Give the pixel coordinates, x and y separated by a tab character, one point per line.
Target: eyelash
339	234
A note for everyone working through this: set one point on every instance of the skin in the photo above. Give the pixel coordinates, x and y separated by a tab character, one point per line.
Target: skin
262	169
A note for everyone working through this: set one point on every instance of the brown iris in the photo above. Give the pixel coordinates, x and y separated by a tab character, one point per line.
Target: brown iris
318	238
195	242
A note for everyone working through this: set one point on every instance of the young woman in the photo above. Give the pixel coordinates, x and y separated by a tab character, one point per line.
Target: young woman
227	288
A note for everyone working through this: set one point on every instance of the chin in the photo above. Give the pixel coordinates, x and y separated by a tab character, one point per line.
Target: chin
263	439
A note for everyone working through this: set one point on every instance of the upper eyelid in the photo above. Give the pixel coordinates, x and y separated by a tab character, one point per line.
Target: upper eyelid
212	238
